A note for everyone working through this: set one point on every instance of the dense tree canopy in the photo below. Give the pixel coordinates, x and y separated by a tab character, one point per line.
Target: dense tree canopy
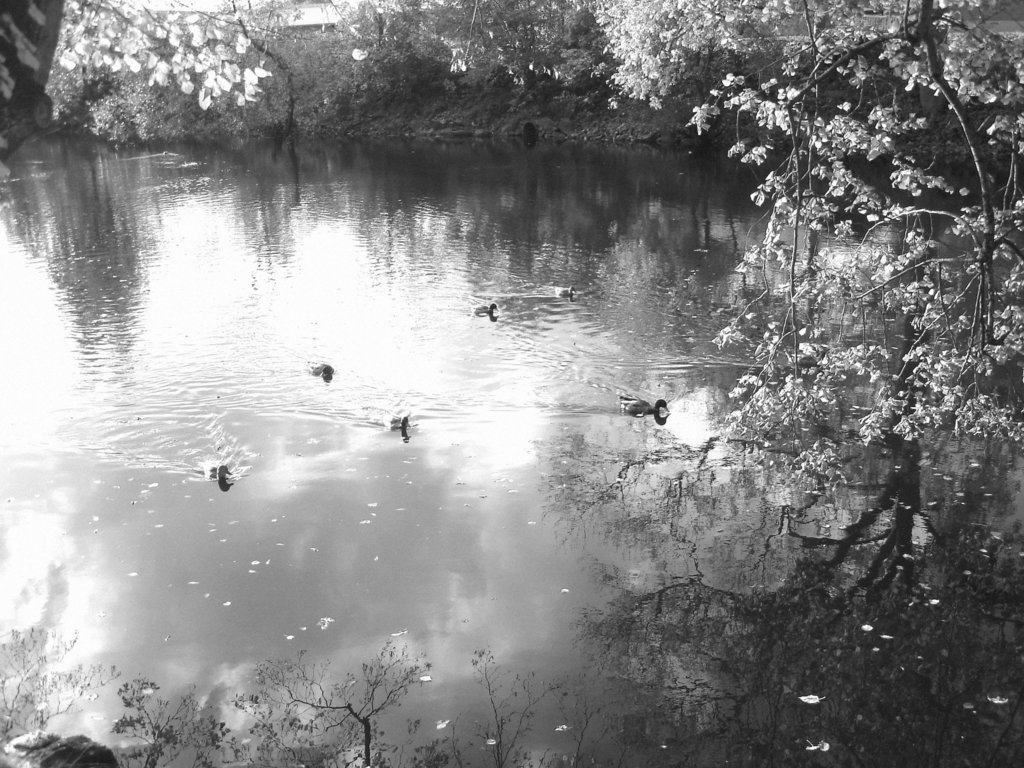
889	135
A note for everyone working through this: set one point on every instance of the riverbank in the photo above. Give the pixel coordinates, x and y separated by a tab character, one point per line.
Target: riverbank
126	112
623	122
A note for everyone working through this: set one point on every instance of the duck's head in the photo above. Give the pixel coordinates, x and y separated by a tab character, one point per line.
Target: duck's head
660	412
327	373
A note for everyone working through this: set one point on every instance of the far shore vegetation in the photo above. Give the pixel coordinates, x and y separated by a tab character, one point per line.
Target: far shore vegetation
407	68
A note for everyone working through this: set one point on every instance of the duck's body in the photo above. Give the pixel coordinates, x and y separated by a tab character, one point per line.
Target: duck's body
222	474
399	419
634	406
219	473
483	309
324	370
566	293
394	417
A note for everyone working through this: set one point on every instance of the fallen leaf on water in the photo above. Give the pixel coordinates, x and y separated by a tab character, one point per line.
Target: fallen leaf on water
811	699
491	742
442	724
425	678
399	634
561	727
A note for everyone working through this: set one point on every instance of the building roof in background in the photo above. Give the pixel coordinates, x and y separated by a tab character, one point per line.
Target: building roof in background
309	15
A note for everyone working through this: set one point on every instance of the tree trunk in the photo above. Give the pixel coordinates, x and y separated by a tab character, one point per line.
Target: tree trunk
29	31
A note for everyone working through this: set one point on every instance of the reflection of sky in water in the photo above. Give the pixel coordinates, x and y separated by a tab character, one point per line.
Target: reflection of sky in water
468	535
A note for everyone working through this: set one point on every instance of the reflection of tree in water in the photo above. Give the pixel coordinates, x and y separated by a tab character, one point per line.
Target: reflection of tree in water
903	619
88	226
102	222
537	213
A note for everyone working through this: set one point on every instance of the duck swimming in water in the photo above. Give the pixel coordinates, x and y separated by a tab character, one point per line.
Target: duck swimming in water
398	419
323	370
490	311
566	293
222	475
634	406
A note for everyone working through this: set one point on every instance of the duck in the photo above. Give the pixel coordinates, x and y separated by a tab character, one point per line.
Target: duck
634	406
398	419
565	293
490	311
403	425
396	416
222	475
324	370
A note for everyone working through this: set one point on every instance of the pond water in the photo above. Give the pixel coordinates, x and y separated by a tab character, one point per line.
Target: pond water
161	313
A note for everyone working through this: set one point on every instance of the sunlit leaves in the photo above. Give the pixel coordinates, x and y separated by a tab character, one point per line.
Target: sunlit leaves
202	53
875	239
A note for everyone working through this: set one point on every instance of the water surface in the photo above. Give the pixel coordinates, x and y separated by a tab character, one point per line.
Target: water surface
161	313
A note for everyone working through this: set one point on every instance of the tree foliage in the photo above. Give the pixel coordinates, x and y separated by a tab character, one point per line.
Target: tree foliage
203	53
889	139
